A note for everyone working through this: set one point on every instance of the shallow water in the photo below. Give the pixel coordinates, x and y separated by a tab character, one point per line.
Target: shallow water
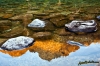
91	52
63	53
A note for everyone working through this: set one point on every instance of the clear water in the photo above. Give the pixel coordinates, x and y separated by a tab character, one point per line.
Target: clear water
91	52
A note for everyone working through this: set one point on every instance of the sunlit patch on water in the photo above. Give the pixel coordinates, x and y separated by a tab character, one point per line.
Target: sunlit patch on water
53	51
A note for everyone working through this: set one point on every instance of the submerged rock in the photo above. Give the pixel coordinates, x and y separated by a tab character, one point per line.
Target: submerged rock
42	35
16	31
98	17
17	17
74	43
22	17
59	20
82	26
5	25
41	26
17	43
37	23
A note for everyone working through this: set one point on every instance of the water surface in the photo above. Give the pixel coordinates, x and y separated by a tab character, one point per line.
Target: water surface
91	52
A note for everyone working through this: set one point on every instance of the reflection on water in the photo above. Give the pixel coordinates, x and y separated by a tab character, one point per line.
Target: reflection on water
32	59
47	50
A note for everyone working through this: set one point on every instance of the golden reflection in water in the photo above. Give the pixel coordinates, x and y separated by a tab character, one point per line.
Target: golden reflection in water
47	49
97	41
14	53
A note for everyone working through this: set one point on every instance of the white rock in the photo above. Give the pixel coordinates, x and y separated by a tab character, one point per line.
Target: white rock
17	43
37	23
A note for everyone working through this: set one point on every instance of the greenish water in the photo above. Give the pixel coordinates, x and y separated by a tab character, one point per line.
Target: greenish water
21	6
76	3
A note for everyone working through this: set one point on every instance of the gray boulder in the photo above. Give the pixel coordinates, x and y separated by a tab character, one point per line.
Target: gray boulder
47	26
17	43
81	26
37	23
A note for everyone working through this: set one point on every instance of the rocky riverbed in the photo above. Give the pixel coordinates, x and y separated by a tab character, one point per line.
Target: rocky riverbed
52	35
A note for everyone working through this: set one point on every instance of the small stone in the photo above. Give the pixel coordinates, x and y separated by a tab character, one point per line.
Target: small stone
16	23
16	31
4	28
98	17
5	23
17	43
42	35
17	17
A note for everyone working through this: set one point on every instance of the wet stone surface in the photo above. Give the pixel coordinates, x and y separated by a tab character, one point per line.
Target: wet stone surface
37	23
48	27
17	43
82	26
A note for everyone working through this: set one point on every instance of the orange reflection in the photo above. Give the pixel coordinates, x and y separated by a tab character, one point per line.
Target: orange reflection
47	49
14	53
97	40
50	49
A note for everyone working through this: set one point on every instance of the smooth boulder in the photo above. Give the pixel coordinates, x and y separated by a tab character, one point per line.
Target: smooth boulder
37	23
82	26
17	43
